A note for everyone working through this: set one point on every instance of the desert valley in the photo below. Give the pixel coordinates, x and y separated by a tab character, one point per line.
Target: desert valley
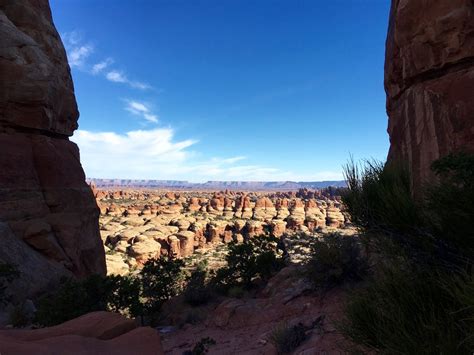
140	224
271	249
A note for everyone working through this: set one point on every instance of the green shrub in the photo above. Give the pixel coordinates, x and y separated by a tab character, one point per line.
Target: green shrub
405	311
335	259
71	300
123	295
235	292
8	273
197	291
449	205
18	317
434	228
287	338
161	278
421	300
75	298
202	347
143	295
379	196
255	257
193	317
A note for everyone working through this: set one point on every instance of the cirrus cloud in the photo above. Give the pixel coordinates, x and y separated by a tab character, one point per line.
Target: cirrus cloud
78	52
119	77
141	109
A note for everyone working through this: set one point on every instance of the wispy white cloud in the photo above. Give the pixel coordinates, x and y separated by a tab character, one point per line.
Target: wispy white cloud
139	85
119	77
156	154
101	66
141	109
78	52
116	76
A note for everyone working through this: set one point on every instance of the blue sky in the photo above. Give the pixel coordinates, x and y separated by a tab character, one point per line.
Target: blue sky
226	89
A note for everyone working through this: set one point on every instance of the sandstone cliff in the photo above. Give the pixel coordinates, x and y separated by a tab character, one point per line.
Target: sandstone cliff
48	214
429	80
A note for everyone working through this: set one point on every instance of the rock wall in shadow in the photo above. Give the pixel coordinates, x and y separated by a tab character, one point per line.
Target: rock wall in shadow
45	202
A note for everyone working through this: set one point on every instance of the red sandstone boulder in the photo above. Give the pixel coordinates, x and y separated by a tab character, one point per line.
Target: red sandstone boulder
97	333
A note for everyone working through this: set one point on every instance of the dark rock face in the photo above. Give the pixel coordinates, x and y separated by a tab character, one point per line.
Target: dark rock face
429	80
44	199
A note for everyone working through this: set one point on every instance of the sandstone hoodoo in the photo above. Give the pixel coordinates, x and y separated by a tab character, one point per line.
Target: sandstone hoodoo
137	225
48	214
429	80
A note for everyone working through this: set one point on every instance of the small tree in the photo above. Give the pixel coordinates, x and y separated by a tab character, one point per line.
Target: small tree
255	257
162	278
335	259
123	295
197	291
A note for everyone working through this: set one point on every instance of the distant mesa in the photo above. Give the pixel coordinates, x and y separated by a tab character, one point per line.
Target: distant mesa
216	185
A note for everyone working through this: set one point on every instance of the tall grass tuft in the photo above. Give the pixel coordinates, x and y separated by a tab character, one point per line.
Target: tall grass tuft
420	300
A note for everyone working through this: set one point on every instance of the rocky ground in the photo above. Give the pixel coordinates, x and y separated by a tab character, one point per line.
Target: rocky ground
245	325
138	225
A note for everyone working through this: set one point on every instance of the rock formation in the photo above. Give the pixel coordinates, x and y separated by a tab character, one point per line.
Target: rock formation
95	333
139	225
429	80
45	203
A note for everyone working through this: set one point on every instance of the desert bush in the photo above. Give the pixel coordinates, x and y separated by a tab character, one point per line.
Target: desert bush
433	228
142	295
193	317
449	205
405	311
75	298
236	292
287	338
421	299
256	257
123	295
202	347
335	259
197	291
18	317
161	278
380	196
72	299
8	273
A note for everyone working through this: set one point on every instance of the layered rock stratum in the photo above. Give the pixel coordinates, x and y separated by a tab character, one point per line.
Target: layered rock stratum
429	80
48	215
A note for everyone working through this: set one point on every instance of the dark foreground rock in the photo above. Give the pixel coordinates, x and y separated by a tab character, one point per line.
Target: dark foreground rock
98	333
45	202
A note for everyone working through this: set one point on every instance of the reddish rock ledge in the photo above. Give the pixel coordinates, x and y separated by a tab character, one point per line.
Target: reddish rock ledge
98	333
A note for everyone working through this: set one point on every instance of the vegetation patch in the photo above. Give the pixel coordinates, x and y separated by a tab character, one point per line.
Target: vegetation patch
135	296
420	300
335	259
202	347
197	292
287	338
257	257
8	273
